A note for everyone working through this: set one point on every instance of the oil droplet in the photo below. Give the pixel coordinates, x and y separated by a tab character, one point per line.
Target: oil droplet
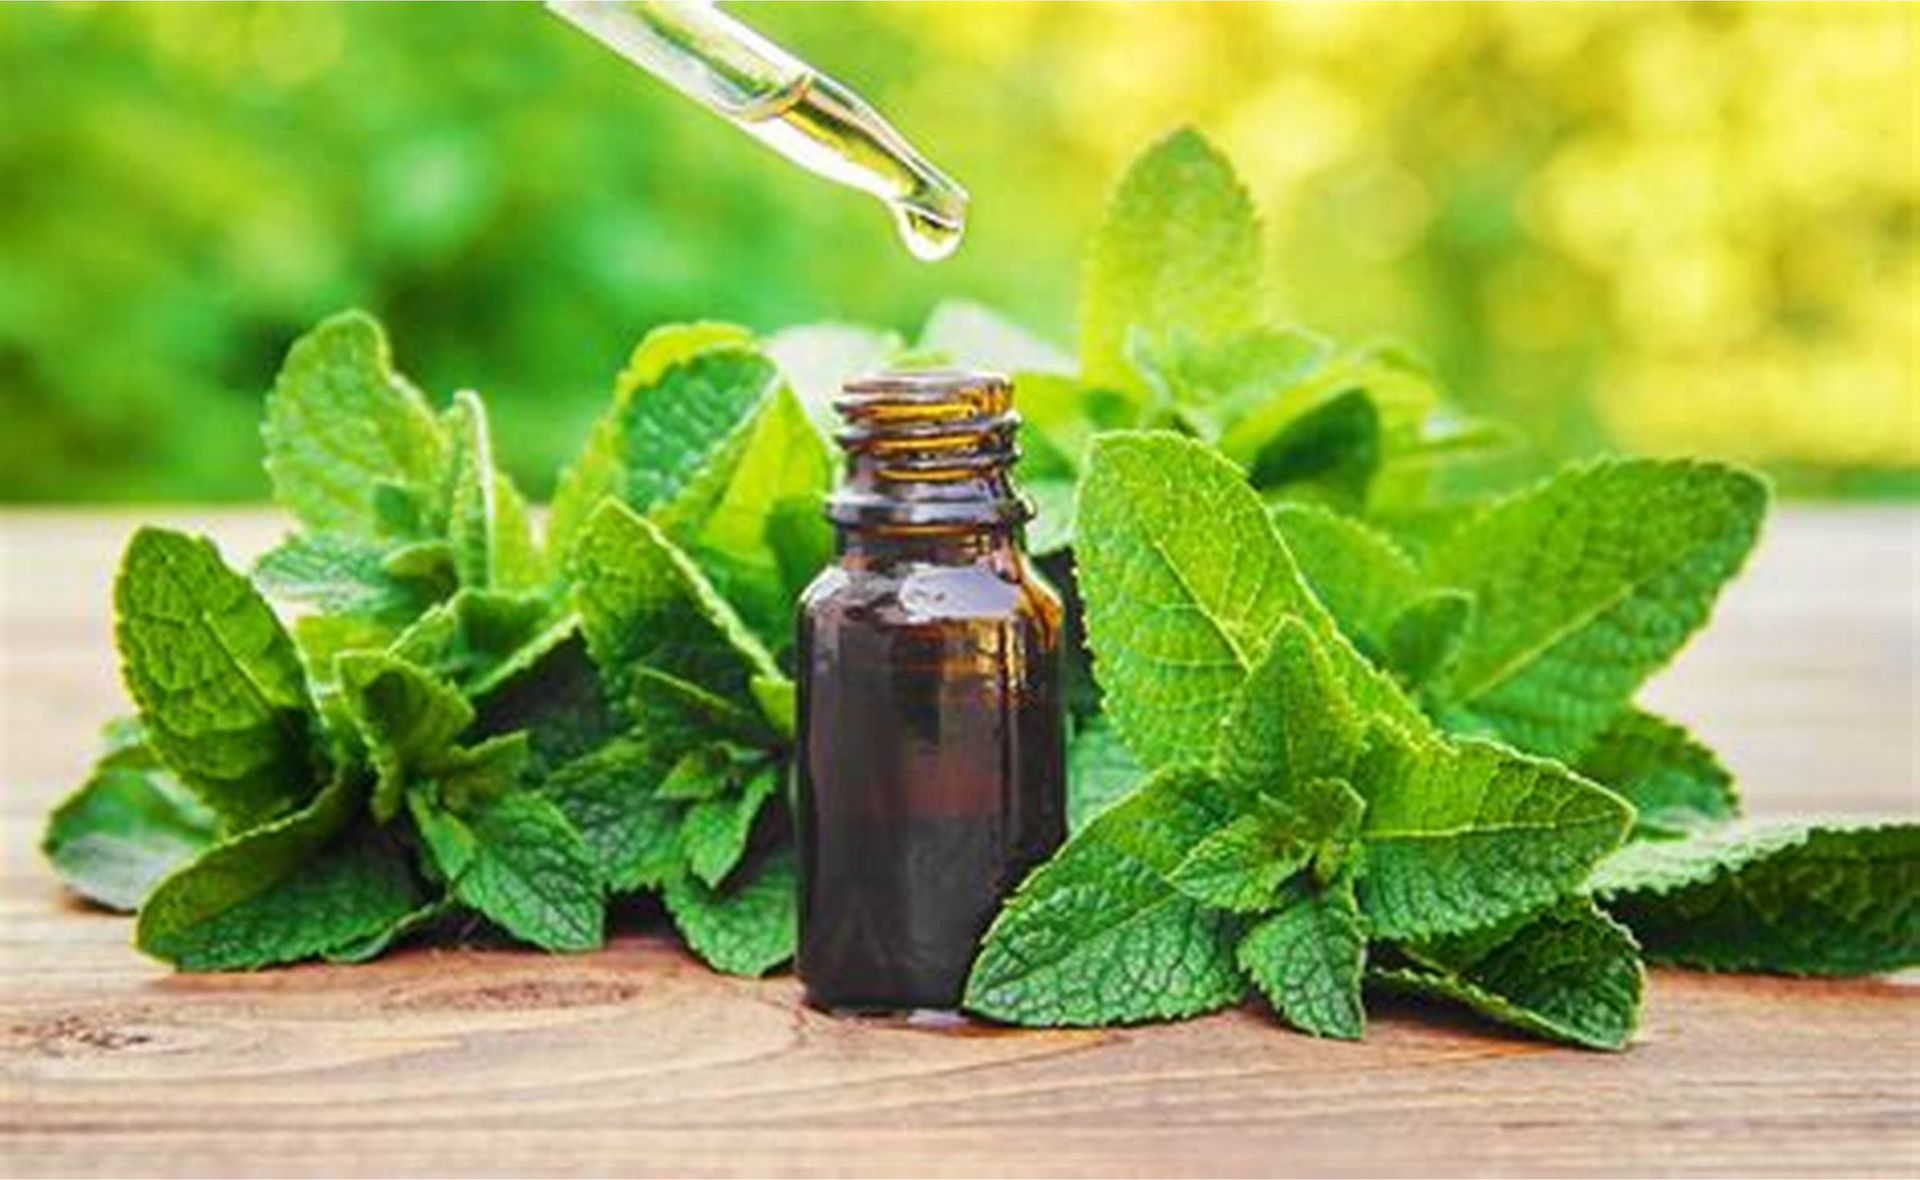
927	236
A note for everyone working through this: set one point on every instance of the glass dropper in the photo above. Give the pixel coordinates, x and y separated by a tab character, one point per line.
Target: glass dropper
782	102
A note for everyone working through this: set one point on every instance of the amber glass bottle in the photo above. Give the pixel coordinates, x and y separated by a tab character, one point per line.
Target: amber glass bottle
931	763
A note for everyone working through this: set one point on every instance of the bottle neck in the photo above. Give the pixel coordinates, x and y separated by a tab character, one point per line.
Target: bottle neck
928	470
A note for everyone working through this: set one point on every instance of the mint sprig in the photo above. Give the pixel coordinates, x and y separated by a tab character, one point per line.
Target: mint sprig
1365	715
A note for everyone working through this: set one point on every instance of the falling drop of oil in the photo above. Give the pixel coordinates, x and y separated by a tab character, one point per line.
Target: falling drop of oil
927	235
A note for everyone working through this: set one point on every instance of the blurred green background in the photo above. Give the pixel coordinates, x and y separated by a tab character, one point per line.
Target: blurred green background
1657	228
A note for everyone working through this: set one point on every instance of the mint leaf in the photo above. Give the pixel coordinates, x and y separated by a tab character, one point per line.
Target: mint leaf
125	829
714	833
610	795
1208	384
643	602
384	940
1361	575
1569	973
748	928
1330	452
487	524
1099	771
1184	581
344	432
1466	835
1829	899
1585	585
482	639
291	889
1401	392
408	718
517	860
674	406
1425	637
1241	864
1292	722
346	575
1307	959
1098	936
220	687
1177	252
779	481
1676	785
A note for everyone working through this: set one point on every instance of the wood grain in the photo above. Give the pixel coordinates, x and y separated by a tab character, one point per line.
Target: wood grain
636	1060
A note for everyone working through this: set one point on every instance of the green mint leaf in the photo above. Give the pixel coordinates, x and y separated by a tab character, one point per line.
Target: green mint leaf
779	703
126	828
1239	866
1461	836
1426	636
1208	384
1307	959
610	796
714	833
676	430
1100	772
408	718
1292	722
748	928
558	701
382	941
1330	452
974	336
704	772
599	472
517	860
1360	574
1584	586
1829	899
1402	394
482	639
643	602
345	575
291	889
1676	785
1097	935
221	691
1178	252
1185	581
343	430
487	525
763	534
1569	973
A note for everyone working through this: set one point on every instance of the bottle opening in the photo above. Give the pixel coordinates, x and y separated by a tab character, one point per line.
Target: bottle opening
928	447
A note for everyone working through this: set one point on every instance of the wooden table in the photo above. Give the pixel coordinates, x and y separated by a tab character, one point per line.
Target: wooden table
635	1060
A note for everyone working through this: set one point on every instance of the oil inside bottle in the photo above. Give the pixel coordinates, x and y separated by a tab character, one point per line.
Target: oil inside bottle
931	770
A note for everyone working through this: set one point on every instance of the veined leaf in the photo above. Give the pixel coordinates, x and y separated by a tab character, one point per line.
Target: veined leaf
748	928
1185	581
516	859
344	430
221	691
1585	585
1097	935
1178	252
1840	898
1462	836
1307	958
1676	785
123	831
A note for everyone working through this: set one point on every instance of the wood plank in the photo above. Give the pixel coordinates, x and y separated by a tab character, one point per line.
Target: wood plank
636	1060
